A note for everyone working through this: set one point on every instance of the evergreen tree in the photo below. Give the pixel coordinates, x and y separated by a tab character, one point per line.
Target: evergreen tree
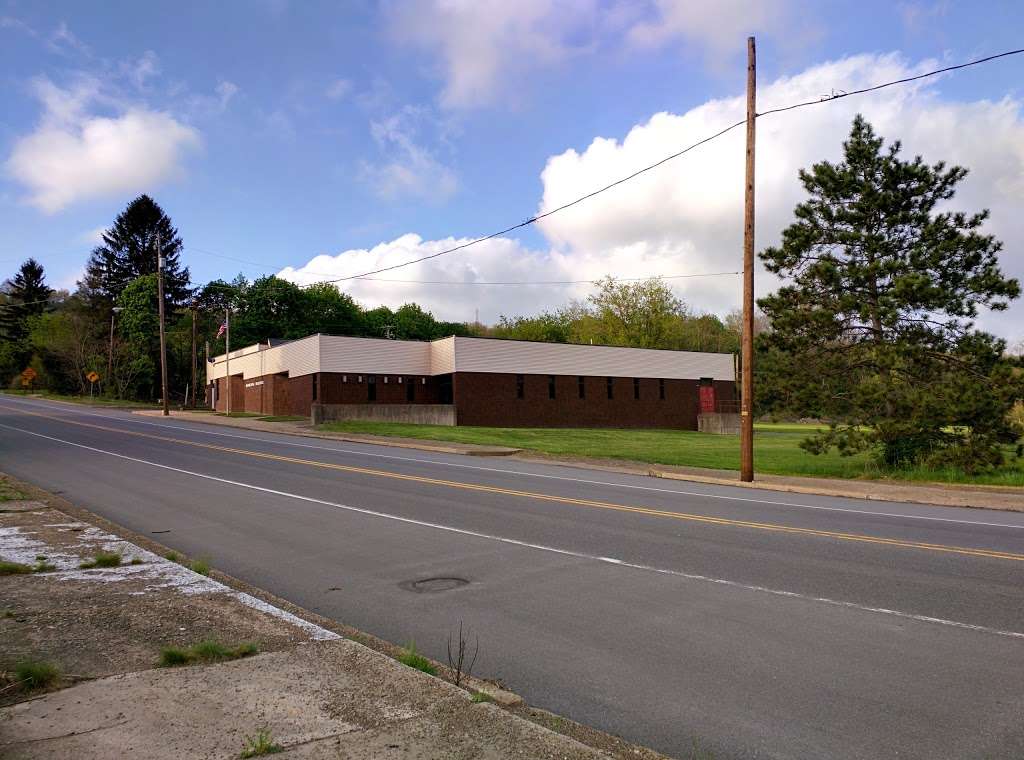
22	298
875	322
26	296
129	251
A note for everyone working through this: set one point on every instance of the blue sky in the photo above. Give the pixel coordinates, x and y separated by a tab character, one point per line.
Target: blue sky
275	131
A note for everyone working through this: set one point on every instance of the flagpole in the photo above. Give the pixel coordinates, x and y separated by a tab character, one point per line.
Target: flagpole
227	357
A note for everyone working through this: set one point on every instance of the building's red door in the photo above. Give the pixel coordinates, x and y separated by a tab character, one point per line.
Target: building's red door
707	398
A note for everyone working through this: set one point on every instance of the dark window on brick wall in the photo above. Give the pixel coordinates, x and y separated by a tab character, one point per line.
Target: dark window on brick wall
636	388
371	387
661	389
581	382
611	387
551	386
520	386
316	383
410	390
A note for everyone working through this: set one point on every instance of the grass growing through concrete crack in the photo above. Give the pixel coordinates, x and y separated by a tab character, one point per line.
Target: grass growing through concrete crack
480	696
102	559
201	565
35	674
261	744
409	656
17	568
208	650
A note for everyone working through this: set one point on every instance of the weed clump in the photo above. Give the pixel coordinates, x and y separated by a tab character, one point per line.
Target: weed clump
208	650
102	559
261	744
409	656
14	568
35	674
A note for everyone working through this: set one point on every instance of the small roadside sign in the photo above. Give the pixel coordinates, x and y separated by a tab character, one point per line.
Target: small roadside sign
92	377
27	376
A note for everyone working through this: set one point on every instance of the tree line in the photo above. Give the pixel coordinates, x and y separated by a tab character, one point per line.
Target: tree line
872	331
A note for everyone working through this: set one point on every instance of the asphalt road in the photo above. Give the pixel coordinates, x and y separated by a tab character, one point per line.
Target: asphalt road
756	624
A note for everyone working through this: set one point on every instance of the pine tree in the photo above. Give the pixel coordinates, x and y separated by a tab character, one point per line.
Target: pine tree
875	322
129	251
26	296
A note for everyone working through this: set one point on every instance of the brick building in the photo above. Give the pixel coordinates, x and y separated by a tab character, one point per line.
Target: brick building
474	381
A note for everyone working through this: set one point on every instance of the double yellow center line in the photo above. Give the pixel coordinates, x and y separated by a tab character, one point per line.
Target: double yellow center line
590	503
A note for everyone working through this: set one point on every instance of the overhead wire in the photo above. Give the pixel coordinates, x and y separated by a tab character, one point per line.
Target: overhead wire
367	276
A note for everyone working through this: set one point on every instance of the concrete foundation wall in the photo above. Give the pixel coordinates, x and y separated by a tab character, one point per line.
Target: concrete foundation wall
417	414
719	423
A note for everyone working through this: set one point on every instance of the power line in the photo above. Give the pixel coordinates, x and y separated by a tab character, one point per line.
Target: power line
825	99
936	72
18	304
644	170
548	282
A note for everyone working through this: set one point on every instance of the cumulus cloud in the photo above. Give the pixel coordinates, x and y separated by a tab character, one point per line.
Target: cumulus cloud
485	48
410	169
90	145
686	216
714	28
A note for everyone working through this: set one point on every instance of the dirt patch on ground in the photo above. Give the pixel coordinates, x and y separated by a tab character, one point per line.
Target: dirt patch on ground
108	620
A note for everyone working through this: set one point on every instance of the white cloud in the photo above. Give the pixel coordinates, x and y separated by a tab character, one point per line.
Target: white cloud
89	145
718	29
63	40
338	89
487	47
140	71
409	169
686	216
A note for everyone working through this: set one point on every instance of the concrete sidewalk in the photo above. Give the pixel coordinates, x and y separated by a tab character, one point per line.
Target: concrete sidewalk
318	695
939	494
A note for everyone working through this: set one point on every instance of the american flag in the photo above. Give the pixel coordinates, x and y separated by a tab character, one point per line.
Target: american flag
223	327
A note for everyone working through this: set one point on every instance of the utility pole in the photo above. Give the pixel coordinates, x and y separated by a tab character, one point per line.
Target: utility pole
163	337
194	349
110	355
227	358
747	390
206	374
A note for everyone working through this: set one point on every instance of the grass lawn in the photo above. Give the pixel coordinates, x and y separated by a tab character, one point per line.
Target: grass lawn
88	401
284	418
776	449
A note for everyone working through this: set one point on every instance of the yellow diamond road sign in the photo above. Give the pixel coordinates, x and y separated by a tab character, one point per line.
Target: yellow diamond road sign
92	377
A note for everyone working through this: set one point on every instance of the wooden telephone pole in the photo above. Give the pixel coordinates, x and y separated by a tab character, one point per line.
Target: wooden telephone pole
747	357
163	337
194	350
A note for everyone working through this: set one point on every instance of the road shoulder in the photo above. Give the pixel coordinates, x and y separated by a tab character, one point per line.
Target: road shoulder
318	689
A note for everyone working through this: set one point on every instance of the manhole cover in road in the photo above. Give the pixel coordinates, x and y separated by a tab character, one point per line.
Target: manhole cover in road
433	585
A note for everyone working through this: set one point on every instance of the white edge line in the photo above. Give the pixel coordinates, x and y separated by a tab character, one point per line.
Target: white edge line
724	497
544	548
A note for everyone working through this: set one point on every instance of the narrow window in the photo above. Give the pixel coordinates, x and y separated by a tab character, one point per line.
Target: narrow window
371	387
410	391
582	386
551	386
316	383
611	387
661	389
636	388
520	386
